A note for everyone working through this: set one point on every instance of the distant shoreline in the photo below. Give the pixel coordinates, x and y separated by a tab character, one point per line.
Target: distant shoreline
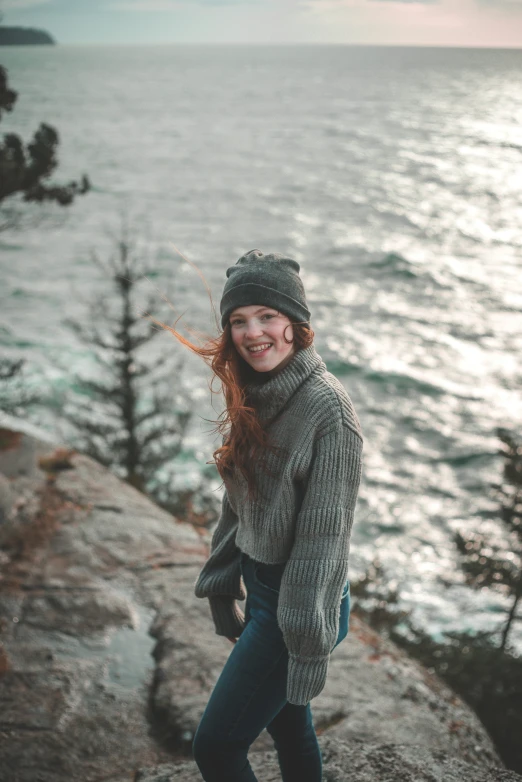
234	44
24	36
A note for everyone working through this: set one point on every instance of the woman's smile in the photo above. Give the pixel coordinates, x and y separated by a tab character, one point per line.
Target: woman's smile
260	349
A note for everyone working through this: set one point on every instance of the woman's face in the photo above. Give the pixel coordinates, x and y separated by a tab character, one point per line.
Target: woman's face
255	326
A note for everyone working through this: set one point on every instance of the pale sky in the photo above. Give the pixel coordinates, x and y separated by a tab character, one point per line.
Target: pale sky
495	23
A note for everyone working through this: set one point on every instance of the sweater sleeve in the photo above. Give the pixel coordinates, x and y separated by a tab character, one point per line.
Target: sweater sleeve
317	569
220	577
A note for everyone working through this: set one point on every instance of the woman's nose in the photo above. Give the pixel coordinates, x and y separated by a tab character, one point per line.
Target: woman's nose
253	329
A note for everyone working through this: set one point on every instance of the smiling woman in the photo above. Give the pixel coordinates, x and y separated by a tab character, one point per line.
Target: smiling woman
291	461
263	337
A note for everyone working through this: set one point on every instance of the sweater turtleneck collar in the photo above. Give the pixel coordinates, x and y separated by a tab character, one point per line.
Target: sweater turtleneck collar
270	397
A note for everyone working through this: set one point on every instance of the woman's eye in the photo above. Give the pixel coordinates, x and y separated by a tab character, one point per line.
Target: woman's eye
268	315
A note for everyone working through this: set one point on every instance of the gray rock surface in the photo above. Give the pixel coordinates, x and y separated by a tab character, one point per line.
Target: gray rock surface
356	761
87	692
374	692
76	663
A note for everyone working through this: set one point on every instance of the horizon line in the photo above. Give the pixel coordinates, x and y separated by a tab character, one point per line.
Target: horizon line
263	43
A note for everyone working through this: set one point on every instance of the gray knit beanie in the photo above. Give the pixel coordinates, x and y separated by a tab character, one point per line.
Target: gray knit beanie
272	280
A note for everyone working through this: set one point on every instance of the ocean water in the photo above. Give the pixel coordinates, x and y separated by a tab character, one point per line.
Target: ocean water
393	175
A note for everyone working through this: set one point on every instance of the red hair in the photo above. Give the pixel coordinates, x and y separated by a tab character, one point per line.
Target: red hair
244	439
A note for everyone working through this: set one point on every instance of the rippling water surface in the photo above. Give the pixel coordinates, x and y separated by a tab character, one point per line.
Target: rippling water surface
394	175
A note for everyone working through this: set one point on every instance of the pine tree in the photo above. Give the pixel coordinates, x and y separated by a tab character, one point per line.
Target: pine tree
135	416
25	170
498	564
15	398
480	666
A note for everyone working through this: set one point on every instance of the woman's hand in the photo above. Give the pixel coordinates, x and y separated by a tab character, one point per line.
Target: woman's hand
242	619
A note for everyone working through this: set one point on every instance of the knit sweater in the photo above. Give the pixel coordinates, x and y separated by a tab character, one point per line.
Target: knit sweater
303	517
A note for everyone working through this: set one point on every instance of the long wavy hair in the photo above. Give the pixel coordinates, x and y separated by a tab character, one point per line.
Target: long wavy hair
245	440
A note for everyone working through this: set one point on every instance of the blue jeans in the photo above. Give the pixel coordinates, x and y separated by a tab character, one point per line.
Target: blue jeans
250	693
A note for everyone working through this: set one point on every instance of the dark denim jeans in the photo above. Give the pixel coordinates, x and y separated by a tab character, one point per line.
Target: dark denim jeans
250	693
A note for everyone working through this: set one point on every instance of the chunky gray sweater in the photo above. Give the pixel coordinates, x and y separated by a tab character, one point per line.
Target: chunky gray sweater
303	517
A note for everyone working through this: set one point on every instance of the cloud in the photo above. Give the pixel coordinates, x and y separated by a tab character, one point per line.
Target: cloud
421	2
508	8
16	5
168	5
340	4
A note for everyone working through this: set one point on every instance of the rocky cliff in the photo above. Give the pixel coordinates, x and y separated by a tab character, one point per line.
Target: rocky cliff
108	658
